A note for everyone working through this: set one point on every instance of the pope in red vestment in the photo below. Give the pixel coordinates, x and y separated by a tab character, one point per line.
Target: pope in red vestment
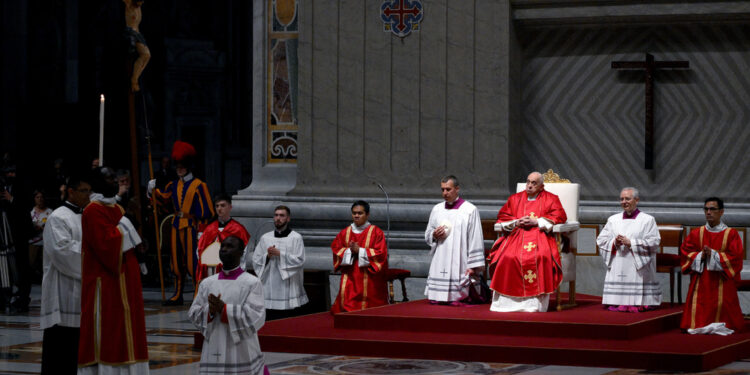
113	328
712	296
363	274
526	262
212	234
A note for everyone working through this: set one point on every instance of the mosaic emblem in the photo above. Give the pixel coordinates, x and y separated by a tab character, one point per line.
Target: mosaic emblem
284	145
401	17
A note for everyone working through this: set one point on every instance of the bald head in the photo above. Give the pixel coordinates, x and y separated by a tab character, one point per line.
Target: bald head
534	184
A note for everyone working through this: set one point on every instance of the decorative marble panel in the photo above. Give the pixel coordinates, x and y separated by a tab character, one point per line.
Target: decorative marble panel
283	34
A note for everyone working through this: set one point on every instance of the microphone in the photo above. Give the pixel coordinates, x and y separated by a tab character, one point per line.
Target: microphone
387	216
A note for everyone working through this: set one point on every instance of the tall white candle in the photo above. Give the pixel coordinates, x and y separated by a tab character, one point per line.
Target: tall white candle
101	130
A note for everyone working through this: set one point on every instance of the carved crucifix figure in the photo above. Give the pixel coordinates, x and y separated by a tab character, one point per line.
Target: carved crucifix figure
137	41
649	66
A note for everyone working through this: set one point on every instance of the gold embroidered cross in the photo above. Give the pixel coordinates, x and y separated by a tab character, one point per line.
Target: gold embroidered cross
530	246
533	215
530	276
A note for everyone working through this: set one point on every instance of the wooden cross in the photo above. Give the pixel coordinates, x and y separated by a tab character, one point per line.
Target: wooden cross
530	276
530	246
649	66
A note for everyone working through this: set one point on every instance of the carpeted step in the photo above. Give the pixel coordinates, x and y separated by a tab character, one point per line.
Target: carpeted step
588	320
669	350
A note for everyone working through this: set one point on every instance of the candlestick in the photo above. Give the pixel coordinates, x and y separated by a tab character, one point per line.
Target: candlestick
101	130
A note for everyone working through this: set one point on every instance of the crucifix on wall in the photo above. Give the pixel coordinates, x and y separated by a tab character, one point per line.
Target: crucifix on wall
649	66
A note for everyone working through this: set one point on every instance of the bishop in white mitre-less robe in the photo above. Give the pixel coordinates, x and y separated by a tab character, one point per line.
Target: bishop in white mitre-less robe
631	271
462	249
231	345
282	276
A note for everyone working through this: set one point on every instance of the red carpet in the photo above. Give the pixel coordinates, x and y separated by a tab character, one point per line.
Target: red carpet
584	336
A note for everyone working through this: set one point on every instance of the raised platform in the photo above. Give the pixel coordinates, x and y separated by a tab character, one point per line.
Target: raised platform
585	336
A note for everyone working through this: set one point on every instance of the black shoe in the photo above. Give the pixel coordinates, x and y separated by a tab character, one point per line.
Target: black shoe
20	305
172	302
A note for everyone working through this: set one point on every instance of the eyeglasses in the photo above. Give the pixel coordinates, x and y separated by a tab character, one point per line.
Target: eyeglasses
706	209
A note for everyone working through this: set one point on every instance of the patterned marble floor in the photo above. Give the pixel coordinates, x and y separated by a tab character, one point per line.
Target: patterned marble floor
170	337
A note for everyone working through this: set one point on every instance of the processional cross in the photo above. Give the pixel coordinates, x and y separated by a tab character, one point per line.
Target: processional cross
649	66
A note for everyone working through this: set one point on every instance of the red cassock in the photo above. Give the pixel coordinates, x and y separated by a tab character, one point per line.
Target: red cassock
526	262
365	287
712	296
113	328
212	234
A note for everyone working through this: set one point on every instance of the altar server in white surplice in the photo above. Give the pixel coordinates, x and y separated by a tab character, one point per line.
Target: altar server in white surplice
229	311
278	261
454	233
60	315
629	243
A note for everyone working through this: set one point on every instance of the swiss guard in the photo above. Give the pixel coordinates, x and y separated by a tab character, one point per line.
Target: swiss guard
193	209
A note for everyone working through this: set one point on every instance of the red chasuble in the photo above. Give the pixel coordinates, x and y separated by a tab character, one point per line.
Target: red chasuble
526	262
365	287
113	328
712	296
212	234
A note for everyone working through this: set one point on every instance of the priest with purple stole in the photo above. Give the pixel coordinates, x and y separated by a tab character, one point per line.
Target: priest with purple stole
454	234
628	244
525	265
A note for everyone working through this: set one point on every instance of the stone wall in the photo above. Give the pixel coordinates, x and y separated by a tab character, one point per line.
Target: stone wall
405	111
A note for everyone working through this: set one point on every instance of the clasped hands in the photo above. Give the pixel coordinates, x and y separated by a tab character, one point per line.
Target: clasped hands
439	233
527	222
354	247
215	304
706	251
622	240
273	251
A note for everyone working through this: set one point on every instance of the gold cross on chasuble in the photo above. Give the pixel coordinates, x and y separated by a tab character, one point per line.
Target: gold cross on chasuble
529	246
533	215
530	276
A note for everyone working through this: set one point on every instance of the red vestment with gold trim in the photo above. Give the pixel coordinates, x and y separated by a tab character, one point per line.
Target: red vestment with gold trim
526	262
361	287
113	328
712	296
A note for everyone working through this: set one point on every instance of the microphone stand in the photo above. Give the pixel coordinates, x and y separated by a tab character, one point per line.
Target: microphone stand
388	218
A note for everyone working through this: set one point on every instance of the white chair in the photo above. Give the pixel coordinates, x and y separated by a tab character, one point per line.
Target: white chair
569	197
